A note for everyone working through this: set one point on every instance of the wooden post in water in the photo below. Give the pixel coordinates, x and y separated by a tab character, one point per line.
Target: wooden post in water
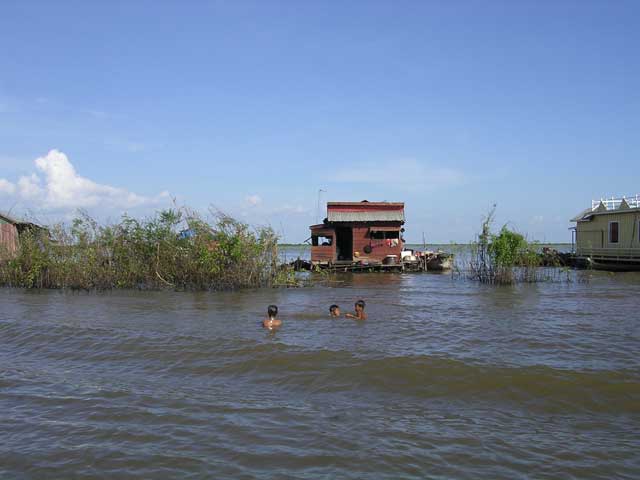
424	256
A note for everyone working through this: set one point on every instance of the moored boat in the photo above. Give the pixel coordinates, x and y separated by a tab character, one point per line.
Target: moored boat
440	261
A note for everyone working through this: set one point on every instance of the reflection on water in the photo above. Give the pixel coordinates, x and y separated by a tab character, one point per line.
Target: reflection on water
446	379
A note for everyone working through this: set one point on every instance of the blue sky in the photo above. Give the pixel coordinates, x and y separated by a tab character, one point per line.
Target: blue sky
253	107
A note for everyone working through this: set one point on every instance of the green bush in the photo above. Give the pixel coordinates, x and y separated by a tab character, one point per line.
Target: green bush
503	258
148	254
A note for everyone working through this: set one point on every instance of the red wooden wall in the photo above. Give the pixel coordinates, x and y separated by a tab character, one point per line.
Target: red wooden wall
379	248
324	253
361	238
8	238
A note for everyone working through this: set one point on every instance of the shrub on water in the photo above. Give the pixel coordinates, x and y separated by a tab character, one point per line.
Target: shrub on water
507	248
504	258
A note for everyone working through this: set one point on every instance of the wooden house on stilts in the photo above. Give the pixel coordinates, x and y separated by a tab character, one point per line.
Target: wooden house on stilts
607	235
366	233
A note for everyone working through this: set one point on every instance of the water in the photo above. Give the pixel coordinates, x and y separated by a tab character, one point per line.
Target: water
446	379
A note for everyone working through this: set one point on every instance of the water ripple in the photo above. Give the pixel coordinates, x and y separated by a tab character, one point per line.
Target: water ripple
445	380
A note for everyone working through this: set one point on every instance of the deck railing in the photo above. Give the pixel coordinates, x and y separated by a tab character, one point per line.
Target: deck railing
618	254
614	202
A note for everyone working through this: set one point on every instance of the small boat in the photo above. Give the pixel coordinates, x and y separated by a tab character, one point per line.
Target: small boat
427	261
411	262
439	261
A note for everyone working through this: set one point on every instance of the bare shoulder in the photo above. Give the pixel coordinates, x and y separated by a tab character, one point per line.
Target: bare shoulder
271	323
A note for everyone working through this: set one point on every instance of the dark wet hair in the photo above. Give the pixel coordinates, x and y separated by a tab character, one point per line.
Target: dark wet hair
333	307
360	303
272	311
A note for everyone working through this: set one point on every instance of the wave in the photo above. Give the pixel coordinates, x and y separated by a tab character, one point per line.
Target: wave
320	371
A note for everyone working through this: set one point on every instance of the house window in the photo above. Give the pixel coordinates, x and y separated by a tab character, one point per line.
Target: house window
613	232
321	241
381	235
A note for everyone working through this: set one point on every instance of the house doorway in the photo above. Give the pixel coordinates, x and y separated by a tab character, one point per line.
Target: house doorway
344	243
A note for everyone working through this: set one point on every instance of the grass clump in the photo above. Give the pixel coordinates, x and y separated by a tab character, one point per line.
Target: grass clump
153	253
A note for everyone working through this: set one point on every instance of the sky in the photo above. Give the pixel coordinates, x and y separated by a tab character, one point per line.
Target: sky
266	109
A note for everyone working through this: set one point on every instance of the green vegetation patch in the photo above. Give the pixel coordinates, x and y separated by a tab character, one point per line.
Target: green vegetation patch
172	249
505	257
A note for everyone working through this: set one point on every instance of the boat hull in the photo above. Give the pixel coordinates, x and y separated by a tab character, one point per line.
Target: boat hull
613	266
440	263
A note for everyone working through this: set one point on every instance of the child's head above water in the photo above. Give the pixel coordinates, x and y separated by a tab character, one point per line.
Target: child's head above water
272	311
334	310
359	315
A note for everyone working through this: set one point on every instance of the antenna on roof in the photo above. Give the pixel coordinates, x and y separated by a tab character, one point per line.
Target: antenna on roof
320	191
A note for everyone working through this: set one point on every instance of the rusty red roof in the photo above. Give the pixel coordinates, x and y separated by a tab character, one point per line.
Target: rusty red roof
365	211
366	205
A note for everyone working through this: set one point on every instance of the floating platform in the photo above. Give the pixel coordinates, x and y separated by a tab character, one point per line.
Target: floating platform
431	262
611	263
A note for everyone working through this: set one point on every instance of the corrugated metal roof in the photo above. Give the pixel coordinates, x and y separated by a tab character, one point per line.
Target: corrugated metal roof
366	204
15	221
588	214
581	215
363	216
9	219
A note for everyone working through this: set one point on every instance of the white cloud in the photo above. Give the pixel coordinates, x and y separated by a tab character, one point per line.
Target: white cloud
6	187
406	173
29	186
253	200
61	187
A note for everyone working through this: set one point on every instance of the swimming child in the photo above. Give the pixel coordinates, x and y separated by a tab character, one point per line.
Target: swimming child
334	310
360	314
272	322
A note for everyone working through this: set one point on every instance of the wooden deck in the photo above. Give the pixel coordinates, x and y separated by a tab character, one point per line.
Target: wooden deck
610	254
422	265
346	266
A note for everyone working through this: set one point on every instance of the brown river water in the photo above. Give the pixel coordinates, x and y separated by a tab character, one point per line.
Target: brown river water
446	379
